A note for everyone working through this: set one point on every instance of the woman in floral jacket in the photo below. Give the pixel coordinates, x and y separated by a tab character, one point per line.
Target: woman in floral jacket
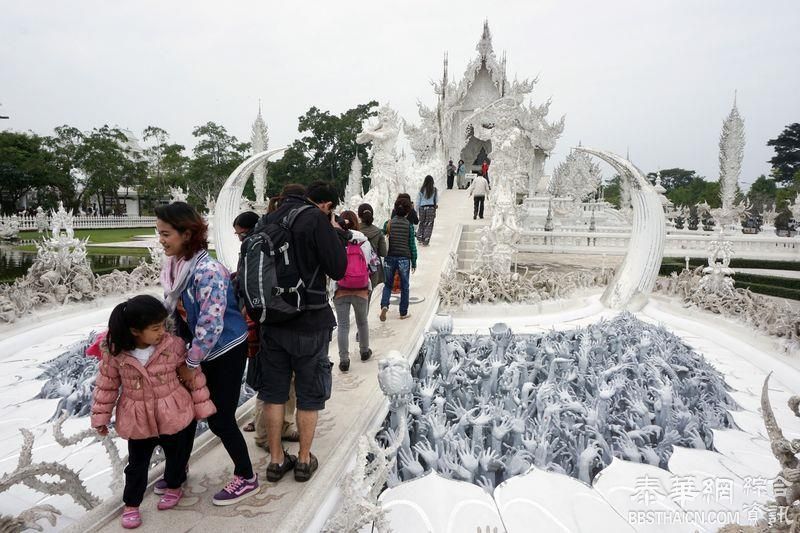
199	293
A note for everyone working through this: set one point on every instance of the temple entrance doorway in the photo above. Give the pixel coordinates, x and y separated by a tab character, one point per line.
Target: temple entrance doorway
473	154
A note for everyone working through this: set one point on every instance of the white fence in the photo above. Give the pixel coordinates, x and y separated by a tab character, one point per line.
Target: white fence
677	244
28	223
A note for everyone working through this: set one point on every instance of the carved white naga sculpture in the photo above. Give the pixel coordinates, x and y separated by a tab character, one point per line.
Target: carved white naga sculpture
484	408
385	181
9	228
227	208
637	275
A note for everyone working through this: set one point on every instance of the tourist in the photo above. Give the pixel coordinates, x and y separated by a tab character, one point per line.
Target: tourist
138	376
461	175
300	345
451	174
200	296
413	218
485	168
353	291
378	243
243	226
428	203
478	190
401	257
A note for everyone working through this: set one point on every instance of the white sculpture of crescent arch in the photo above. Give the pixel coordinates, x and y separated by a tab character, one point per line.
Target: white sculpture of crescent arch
635	278
228	206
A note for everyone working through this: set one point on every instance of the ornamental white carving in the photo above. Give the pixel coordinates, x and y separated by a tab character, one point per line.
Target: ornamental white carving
731	151
9	228
61	273
385	180
177	194
41	220
354	191
577	177
635	278
260	142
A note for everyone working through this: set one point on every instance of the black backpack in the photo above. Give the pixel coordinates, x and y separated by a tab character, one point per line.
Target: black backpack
269	279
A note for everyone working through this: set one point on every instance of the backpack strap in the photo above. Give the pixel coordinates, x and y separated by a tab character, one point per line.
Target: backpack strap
287	222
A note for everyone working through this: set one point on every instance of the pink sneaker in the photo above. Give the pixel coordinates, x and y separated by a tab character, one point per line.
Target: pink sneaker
170	499
131	519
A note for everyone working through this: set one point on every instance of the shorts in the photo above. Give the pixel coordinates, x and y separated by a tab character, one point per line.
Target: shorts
305	354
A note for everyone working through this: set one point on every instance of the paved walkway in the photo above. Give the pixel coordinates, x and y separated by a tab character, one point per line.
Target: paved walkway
289	506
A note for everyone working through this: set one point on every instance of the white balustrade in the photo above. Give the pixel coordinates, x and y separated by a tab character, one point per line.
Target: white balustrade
678	244
28	223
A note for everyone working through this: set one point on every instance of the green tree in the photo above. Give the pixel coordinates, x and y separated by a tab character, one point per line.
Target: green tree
762	192
107	166
25	166
672	178
695	192
215	156
66	146
611	191
326	149
167	165
786	162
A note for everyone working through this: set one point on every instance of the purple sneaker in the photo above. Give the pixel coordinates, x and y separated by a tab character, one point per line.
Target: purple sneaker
160	486
237	490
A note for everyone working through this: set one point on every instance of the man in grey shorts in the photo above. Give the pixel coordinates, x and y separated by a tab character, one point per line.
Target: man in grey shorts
300	345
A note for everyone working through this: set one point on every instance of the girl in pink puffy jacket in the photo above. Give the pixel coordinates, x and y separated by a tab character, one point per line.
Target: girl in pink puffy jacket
138	374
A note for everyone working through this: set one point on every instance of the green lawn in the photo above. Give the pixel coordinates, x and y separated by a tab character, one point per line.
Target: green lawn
99	236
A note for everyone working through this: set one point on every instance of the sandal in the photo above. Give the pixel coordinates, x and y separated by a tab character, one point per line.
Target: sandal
303	471
131	519
170	499
276	471
291	436
249	427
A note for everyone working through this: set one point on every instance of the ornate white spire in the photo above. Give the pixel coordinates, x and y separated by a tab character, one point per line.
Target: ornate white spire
484	46
731	151
260	142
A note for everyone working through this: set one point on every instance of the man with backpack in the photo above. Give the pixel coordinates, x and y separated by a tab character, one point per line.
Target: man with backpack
288	258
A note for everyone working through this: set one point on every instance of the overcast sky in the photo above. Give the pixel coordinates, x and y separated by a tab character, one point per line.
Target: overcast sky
653	77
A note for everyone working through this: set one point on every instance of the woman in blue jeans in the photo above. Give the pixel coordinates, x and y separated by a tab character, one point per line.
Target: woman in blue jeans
401	256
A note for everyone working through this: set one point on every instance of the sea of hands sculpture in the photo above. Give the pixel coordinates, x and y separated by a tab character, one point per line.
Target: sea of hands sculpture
487	408
61	273
526	286
769	315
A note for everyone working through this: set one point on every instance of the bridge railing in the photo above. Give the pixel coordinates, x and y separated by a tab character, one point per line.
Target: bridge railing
29	223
